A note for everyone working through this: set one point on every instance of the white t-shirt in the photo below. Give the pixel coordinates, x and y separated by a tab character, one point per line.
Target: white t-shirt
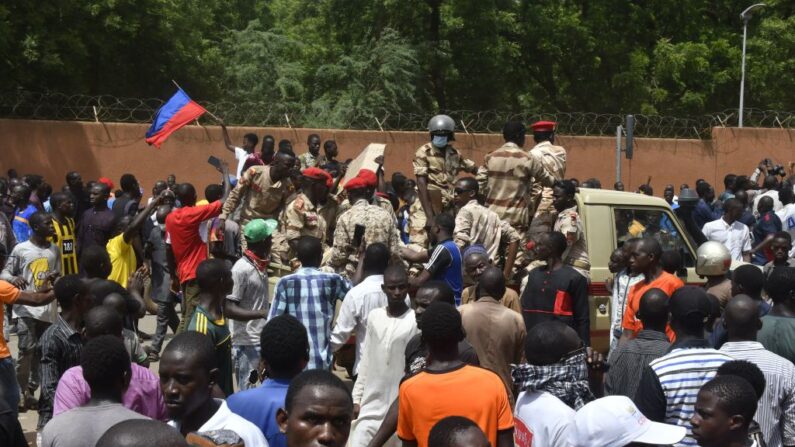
224	419
541	420
773	194
787	216
240	155
736	237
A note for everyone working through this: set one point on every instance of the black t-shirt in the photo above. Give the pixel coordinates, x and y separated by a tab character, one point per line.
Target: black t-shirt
560	294
417	352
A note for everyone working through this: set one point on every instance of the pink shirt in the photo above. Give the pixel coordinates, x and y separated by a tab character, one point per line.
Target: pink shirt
142	396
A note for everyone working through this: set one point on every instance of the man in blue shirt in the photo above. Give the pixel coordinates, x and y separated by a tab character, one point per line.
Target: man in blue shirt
284	353
704	211
445	260
768	224
23	209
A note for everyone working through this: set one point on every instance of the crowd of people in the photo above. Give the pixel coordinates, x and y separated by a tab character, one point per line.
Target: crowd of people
449	307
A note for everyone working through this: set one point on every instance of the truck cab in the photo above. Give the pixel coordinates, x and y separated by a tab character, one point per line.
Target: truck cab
610	218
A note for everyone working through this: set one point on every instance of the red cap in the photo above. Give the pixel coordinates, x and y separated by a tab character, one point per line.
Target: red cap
356	183
544	126
369	177
106	181
382	195
318	174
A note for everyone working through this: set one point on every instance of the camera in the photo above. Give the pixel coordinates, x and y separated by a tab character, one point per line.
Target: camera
777	170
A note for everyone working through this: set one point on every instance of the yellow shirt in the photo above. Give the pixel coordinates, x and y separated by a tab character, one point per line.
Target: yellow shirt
122	259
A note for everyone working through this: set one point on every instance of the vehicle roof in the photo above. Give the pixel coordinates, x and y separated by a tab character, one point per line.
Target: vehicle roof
607	197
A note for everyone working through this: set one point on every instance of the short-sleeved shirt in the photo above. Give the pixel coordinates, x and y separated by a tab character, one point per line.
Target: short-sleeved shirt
182	226
260	405
440	166
218	332
84	426
666	282
476	224
8	295
249	292
32	263
302	218
561	295
470	391
445	265
240	155
542	420
767	224
735	236
65	238
21	225
417	354
122	259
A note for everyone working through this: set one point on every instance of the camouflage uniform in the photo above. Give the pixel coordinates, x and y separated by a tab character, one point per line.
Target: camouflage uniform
308	160
300	218
414	227
476	224
260	196
345	205
507	193
576	255
553	159
379	227
441	167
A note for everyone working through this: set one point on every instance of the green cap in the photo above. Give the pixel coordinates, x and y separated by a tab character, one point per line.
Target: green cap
259	229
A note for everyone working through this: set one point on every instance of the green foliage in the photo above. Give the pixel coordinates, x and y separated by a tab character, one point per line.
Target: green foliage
339	61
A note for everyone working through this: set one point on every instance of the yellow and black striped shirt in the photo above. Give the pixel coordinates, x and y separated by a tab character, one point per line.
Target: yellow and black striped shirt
66	239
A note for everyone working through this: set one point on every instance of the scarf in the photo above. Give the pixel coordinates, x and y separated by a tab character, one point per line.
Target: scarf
259	263
567	380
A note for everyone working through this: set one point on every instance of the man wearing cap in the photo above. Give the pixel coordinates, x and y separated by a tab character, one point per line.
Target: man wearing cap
302	216
614	421
261	191
553	159
371	179
436	165
666	392
378	227
247	305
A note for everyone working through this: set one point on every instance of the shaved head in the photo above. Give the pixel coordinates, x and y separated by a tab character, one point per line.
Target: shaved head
653	309
492	283
741	318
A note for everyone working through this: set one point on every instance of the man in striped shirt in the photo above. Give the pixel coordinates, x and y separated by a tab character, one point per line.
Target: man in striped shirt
669	385
776	411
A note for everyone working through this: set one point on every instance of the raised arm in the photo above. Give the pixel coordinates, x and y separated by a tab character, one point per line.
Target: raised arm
227	141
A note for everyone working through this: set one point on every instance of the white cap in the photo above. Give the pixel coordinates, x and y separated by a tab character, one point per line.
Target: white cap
615	421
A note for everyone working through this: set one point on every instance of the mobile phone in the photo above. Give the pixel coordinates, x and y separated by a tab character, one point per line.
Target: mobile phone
214	161
358	235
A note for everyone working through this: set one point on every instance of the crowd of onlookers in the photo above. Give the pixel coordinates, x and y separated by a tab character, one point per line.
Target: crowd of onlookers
455	307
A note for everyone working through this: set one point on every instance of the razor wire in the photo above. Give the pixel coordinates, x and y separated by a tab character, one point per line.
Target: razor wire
107	108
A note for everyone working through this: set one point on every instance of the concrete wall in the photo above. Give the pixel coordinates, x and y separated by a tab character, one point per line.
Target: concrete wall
52	148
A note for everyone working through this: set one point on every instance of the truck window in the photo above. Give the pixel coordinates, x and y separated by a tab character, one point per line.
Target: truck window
632	223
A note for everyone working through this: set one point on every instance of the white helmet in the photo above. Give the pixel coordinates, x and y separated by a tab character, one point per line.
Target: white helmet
441	124
713	259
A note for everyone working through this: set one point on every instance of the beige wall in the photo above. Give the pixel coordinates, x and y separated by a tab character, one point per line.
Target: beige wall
52	148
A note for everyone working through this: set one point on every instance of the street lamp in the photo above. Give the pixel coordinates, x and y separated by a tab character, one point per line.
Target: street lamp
746	16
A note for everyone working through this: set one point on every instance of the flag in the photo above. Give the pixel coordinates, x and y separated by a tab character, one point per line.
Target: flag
175	113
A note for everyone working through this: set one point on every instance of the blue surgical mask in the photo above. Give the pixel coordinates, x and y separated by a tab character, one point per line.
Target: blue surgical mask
439	141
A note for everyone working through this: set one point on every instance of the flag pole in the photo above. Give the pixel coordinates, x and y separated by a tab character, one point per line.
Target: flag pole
208	112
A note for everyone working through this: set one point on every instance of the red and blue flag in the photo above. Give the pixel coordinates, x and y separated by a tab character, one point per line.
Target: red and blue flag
175	113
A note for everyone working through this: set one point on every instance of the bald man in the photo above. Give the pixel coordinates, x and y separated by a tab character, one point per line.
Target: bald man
776	413
650	343
496	332
475	263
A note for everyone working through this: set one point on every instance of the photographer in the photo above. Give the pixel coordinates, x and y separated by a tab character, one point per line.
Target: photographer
770	185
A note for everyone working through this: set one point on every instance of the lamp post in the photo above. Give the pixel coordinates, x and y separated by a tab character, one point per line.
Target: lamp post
746	16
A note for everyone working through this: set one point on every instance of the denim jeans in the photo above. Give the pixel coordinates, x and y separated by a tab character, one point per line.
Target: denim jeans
166	318
9	389
246	359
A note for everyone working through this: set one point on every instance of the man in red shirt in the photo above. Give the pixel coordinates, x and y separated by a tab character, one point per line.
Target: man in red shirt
187	248
10	294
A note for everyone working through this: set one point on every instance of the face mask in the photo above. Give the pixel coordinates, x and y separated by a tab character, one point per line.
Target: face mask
439	141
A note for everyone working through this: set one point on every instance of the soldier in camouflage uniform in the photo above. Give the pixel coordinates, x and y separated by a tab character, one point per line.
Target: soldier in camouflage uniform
436	165
302	216
310	159
477	225
553	159
569	223
378	225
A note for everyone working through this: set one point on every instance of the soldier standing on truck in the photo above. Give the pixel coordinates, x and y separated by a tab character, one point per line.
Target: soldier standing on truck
570	224
553	159
436	165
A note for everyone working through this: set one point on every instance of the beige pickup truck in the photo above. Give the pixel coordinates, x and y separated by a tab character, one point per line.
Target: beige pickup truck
612	217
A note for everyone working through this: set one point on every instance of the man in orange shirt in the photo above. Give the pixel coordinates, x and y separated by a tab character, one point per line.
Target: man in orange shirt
645	259
448	387
9	294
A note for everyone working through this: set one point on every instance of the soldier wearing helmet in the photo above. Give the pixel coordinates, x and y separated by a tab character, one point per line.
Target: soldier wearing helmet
436	165
713	261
